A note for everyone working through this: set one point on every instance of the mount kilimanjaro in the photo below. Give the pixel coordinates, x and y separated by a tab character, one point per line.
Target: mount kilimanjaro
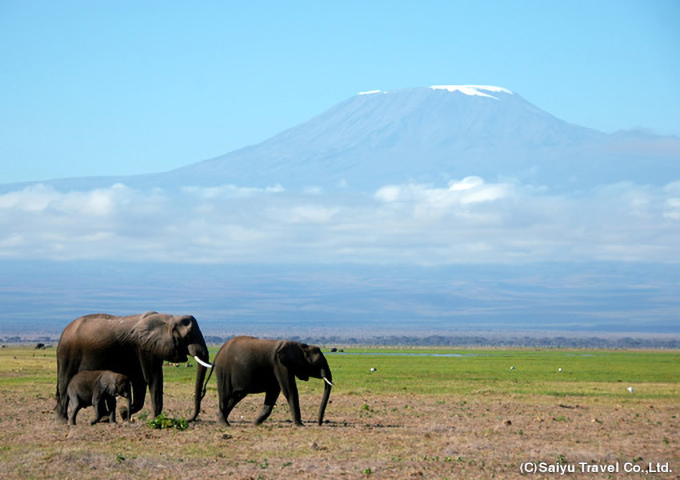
426	135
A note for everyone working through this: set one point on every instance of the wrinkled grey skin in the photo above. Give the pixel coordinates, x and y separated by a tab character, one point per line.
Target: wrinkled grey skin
135	346
247	365
98	388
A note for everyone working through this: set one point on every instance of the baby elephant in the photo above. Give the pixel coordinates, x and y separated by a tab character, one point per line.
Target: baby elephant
98	388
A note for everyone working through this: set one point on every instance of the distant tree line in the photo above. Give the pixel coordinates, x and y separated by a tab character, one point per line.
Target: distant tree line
455	341
481	341
458	341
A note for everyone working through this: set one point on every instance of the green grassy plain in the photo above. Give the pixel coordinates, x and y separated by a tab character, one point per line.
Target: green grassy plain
594	374
432	413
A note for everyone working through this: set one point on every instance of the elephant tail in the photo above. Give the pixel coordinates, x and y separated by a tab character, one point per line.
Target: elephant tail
205	385
56	396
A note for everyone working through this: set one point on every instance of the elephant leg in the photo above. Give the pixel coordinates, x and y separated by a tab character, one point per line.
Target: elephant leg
65	372
75	406
128	408
290	391
62	404
111	406
138	394
269	402
99	408
227	404
155	380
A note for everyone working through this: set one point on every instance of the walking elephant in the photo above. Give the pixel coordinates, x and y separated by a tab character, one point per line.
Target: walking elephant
99	389
250	365
135	346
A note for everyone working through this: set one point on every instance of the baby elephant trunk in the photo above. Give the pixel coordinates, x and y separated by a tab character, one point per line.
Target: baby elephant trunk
328	384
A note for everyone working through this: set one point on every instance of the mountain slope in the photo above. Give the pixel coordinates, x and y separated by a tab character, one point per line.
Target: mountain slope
433	134
428	135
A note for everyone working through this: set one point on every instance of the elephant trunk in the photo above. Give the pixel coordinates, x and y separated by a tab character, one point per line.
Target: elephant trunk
328	385
200	353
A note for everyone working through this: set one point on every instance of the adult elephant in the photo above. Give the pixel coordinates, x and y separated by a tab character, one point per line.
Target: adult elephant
251	365
135	346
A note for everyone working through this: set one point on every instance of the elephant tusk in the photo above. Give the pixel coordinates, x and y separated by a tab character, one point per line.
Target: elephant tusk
328	382
206	365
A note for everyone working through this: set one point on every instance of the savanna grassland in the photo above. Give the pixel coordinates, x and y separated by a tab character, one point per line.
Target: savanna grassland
415	416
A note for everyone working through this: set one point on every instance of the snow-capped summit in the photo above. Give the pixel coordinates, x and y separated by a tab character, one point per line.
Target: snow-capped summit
472	90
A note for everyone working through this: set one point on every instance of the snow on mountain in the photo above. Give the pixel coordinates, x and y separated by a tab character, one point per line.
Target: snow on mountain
472	89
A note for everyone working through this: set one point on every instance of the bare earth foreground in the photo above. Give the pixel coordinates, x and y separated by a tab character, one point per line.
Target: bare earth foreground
402	435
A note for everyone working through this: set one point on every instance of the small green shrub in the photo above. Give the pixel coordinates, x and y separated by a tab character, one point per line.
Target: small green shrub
162	421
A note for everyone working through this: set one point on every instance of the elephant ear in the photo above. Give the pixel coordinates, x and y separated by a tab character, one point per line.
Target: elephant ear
154	334
292	356
108	382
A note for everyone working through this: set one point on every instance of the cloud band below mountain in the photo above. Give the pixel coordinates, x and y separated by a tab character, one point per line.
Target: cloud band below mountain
465	221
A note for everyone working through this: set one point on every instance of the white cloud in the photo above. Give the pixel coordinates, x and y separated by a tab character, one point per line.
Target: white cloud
312	214
461	199
465	221
390	193
41	198
467	191
466	184
31	199
672	210
229	191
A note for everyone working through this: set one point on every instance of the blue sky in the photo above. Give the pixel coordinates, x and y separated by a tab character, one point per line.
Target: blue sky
101	88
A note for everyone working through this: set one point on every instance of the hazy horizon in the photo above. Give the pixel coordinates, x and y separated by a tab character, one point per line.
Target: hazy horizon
344	299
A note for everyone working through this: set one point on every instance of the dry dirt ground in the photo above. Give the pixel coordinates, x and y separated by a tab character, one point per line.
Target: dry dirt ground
402	436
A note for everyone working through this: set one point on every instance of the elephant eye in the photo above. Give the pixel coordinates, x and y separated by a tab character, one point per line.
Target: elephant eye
185	322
